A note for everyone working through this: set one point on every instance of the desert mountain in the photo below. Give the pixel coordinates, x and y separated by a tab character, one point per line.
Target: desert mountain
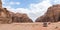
52	14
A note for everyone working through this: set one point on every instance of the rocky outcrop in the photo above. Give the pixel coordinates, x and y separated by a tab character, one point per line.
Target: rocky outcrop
20	17
9	17
5	16
52	14
0	4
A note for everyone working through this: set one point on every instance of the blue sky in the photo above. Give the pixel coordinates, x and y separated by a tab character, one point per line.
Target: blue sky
23	3
34	8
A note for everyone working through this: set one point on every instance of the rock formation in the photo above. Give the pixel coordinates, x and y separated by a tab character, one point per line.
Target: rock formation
5	16
0	4
52	14
9	17
20	17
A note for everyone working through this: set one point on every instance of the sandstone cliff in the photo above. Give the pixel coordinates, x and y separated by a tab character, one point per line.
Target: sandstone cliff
20	17
52	14
9	17
5	16
0	4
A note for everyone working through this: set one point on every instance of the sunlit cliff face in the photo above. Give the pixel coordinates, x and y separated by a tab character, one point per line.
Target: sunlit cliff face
2	13
0	4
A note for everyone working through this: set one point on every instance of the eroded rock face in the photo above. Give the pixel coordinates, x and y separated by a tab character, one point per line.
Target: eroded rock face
9	17
0	4
52	14
19	17
5	16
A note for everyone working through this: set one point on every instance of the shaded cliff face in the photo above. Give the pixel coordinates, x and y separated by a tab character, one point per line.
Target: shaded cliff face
52	14
19	17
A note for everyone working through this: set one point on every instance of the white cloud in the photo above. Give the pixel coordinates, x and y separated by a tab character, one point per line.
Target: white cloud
3	1
39	9
35	10
18	3
13	3
56	1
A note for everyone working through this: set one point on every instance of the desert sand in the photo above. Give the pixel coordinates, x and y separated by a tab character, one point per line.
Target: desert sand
30	26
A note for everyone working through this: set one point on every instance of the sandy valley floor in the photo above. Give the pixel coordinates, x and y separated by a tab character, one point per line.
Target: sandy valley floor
29	26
